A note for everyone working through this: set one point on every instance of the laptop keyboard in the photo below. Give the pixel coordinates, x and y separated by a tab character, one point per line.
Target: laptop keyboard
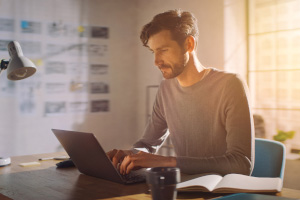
135	176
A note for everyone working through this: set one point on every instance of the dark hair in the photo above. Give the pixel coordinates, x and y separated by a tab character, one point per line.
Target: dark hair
181	24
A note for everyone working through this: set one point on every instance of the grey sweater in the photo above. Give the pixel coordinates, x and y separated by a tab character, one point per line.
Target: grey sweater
210	124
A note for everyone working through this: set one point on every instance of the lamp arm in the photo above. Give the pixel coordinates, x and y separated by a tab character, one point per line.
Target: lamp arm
3	65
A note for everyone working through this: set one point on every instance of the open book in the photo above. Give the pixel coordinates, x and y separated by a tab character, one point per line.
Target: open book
231	183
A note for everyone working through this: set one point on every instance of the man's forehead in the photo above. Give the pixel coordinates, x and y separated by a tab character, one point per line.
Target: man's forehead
160	40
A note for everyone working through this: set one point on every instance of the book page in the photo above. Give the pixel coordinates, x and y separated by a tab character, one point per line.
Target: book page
249	183
209	182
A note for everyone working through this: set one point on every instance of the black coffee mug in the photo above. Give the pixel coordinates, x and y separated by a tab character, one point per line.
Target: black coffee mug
162	182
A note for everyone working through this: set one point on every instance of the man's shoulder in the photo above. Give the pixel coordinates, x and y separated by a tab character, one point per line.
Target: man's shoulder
222	75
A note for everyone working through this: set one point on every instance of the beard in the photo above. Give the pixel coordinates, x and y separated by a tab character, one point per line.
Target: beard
170	72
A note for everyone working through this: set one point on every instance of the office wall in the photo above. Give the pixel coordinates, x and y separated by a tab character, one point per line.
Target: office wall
130	67
22	133
235	37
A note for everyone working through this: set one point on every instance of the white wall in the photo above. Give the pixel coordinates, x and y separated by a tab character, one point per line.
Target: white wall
118	128
131	67
235	37
31	134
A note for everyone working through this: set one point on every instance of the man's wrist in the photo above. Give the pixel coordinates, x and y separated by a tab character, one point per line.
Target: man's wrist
137	150
172	162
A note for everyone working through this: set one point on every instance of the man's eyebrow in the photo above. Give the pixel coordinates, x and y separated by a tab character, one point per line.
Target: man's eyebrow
159	48
150	49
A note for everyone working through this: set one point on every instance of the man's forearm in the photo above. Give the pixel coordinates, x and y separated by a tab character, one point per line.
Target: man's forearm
170	162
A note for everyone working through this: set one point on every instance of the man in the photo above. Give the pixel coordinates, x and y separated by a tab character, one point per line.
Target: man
206	110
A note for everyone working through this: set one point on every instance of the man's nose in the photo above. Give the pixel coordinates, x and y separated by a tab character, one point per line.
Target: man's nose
158	61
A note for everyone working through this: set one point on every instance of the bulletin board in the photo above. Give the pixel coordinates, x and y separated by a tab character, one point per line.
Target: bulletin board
72	81
72	65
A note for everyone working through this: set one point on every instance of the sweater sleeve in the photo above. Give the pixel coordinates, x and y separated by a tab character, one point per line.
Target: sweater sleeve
155	132
239	156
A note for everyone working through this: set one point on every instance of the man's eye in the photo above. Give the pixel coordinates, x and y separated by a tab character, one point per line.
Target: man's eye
162	51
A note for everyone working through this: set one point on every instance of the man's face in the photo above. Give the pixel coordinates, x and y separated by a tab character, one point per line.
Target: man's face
170	58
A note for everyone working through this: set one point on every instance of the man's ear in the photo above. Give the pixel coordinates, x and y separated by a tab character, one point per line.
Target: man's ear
190	43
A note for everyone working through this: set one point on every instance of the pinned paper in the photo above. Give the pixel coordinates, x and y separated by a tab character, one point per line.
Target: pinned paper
37	62
24	24
80	29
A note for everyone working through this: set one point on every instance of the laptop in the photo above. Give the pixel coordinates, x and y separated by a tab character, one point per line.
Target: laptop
89	157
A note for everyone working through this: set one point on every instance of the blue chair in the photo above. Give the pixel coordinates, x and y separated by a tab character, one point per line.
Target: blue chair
269	158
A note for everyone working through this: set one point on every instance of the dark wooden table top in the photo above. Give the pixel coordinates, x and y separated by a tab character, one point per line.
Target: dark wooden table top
45	181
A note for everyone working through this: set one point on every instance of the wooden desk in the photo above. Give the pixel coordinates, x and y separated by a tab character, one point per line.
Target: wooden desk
47	182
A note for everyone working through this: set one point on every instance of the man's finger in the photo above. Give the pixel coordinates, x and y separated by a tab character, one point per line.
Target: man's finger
127	160
111	153
130	167
117	157
124	163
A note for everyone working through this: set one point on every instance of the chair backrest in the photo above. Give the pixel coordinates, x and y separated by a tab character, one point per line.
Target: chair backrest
269	158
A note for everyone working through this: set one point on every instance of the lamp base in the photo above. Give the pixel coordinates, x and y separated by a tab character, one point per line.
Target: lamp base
4	161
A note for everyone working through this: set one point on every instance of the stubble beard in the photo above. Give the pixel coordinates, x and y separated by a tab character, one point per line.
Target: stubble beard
176	70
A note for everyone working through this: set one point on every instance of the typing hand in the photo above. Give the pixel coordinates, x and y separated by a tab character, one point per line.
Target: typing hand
142	160
116	156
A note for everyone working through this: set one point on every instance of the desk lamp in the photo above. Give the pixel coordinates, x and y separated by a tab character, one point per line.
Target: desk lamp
18	67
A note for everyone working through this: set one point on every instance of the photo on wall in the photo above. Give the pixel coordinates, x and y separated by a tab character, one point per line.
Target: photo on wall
55	68
78	107
31	27
7	25
58	107
99	87
99	106
98	69
99	32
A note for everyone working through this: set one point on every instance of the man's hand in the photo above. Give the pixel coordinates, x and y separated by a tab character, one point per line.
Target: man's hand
116	156
142	159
